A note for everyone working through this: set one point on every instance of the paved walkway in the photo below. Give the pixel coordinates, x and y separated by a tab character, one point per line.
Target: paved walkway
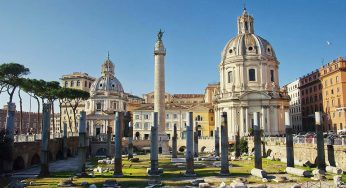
71	164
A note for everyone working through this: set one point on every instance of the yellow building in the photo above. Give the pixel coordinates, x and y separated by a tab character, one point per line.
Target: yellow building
76	80
333	79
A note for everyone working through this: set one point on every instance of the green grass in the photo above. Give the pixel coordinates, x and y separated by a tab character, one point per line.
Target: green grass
135	173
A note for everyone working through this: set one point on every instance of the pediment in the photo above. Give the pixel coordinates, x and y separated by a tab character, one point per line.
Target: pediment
254	95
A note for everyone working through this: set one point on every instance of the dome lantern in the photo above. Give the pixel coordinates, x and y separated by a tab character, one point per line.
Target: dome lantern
245	23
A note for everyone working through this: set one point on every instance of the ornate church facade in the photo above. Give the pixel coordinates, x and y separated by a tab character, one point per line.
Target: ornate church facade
106	96
249	82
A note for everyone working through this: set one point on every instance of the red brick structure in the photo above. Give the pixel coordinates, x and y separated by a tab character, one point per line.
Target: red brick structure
30	122
311	99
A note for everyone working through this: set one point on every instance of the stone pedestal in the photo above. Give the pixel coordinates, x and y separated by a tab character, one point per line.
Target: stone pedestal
82	143
224	145
217	142
257	141
119	120
189	146
44	140
130	144
174	142
154	163
8	161
321	164
195	141
289	141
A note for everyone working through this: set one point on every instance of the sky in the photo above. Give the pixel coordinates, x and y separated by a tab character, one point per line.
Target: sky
54	38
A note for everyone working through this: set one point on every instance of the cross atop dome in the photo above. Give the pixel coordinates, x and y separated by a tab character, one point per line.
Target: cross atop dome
245	23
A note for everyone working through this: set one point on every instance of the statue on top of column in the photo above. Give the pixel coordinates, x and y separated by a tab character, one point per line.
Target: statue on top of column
159	35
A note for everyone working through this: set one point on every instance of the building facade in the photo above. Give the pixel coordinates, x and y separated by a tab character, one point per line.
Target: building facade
203	115
106	97
333	79
249	82
311	99
295	105
76	80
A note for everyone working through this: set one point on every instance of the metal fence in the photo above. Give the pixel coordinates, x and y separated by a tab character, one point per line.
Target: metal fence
35	137
301	140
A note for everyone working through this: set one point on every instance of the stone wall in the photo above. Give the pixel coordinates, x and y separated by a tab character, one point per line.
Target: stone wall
306	151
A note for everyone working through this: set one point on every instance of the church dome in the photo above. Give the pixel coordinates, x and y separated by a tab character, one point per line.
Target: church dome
107	82
246	42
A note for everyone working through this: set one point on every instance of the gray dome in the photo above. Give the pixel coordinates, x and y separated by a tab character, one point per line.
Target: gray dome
107	82
248	44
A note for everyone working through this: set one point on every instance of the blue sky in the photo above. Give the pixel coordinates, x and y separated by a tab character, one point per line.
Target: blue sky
53	38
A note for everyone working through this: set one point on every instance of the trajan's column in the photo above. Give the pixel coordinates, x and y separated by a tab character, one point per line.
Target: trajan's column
159	93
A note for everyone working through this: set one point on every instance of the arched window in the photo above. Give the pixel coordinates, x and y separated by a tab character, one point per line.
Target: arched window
272	75
252	75
72	83
78	83
229	77
66	83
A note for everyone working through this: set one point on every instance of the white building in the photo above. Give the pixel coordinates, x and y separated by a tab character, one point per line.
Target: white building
106	97
249	82
295	105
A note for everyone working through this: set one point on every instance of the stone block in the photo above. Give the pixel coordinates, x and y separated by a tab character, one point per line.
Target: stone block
298	172
197	182
238	185
334	170
178	160
204	185
223	185
259	173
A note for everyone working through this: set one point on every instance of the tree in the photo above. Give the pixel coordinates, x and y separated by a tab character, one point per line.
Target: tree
34	88
243	145
52	88
75	97
11	77
61	95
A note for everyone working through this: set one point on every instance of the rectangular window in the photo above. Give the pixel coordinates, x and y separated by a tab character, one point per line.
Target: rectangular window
229	77
272	75
252	75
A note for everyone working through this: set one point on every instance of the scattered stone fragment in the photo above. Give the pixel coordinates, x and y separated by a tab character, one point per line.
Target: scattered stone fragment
92	186
66	183
334	170
296	186
337	180
264	180
319	174
134	160
223	185
280	179
197	182
259	186
204	185
258	173
298	172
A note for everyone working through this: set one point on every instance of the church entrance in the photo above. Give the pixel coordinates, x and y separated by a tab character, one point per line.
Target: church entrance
98	131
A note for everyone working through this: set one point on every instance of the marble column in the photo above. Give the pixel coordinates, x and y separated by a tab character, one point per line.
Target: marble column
195	140
154	163
257	141
65	141
289	141
109	141
269	132
241	122
174	142
8	162
130	144
82	143
224	145
247	120
321	164
44	141
189	146
263	118
217	142
275	121
119	117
